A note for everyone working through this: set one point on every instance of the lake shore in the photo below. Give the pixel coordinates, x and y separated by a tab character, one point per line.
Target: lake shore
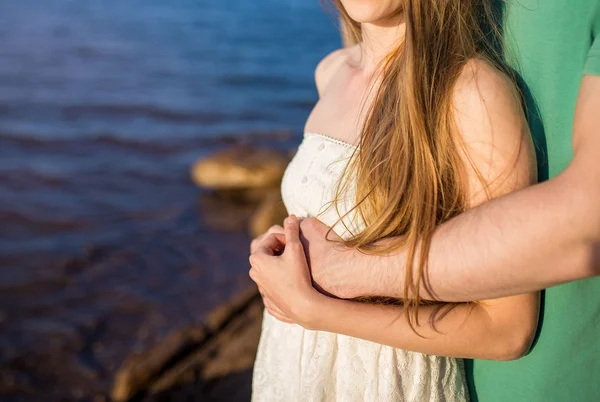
89	287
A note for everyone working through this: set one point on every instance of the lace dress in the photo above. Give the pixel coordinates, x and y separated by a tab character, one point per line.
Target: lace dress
296	364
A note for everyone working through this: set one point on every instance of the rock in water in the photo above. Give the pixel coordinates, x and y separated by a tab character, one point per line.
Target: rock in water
240	167
212	362
271	211
139	371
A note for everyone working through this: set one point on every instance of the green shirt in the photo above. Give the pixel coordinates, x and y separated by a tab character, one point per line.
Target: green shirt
554	42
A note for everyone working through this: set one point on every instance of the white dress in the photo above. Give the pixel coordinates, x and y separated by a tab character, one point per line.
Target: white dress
296	364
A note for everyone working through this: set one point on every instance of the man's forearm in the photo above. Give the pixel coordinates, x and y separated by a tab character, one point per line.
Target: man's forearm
529	240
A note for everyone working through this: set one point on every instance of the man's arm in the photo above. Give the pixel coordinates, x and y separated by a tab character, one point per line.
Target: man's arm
532	239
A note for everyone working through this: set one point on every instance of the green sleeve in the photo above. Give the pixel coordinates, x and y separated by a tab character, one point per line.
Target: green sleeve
592	66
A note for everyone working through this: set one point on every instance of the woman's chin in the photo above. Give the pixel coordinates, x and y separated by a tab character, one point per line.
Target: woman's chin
368	11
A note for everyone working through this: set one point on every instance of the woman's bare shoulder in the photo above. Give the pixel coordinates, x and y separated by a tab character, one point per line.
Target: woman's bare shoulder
492	125
329	65
481	80
486	99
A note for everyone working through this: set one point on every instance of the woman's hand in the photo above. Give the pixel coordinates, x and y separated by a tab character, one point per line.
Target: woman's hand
284	278
258	239
275	229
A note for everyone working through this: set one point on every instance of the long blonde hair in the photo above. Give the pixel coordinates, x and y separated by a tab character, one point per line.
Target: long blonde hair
408	170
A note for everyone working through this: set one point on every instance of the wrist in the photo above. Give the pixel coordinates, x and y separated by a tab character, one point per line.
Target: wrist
312	311
384	276
368	275
360	274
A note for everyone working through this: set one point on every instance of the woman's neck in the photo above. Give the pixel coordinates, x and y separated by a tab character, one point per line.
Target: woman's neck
378	39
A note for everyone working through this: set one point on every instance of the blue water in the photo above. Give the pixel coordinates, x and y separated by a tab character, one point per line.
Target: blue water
104	104
158	69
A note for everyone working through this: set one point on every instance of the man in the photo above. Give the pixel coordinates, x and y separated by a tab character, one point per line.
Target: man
545	235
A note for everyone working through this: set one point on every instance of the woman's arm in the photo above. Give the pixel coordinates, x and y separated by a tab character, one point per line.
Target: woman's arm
500	329
498	159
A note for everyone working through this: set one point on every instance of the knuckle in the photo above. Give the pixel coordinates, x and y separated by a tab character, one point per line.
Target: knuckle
294	246
275	229
306	223
272	238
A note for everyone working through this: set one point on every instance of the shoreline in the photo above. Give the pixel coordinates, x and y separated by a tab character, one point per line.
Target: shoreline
119	282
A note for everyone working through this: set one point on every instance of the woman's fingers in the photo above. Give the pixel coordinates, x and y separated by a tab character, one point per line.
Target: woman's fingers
281	317
292	234
277	313
275	229
256	242
258	239
273	309
273	244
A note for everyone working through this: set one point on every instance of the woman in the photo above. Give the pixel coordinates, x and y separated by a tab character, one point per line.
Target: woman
415	123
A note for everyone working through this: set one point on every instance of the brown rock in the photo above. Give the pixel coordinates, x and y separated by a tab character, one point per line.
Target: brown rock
230	210
239	167
231	349
223	314
224	214
271	211
209	363
139	371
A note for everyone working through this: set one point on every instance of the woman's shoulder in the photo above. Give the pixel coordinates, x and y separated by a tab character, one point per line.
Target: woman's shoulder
485	96
481	85
479	78
491	121
330	65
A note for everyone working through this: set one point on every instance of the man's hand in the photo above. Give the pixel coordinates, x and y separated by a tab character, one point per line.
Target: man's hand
333	266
